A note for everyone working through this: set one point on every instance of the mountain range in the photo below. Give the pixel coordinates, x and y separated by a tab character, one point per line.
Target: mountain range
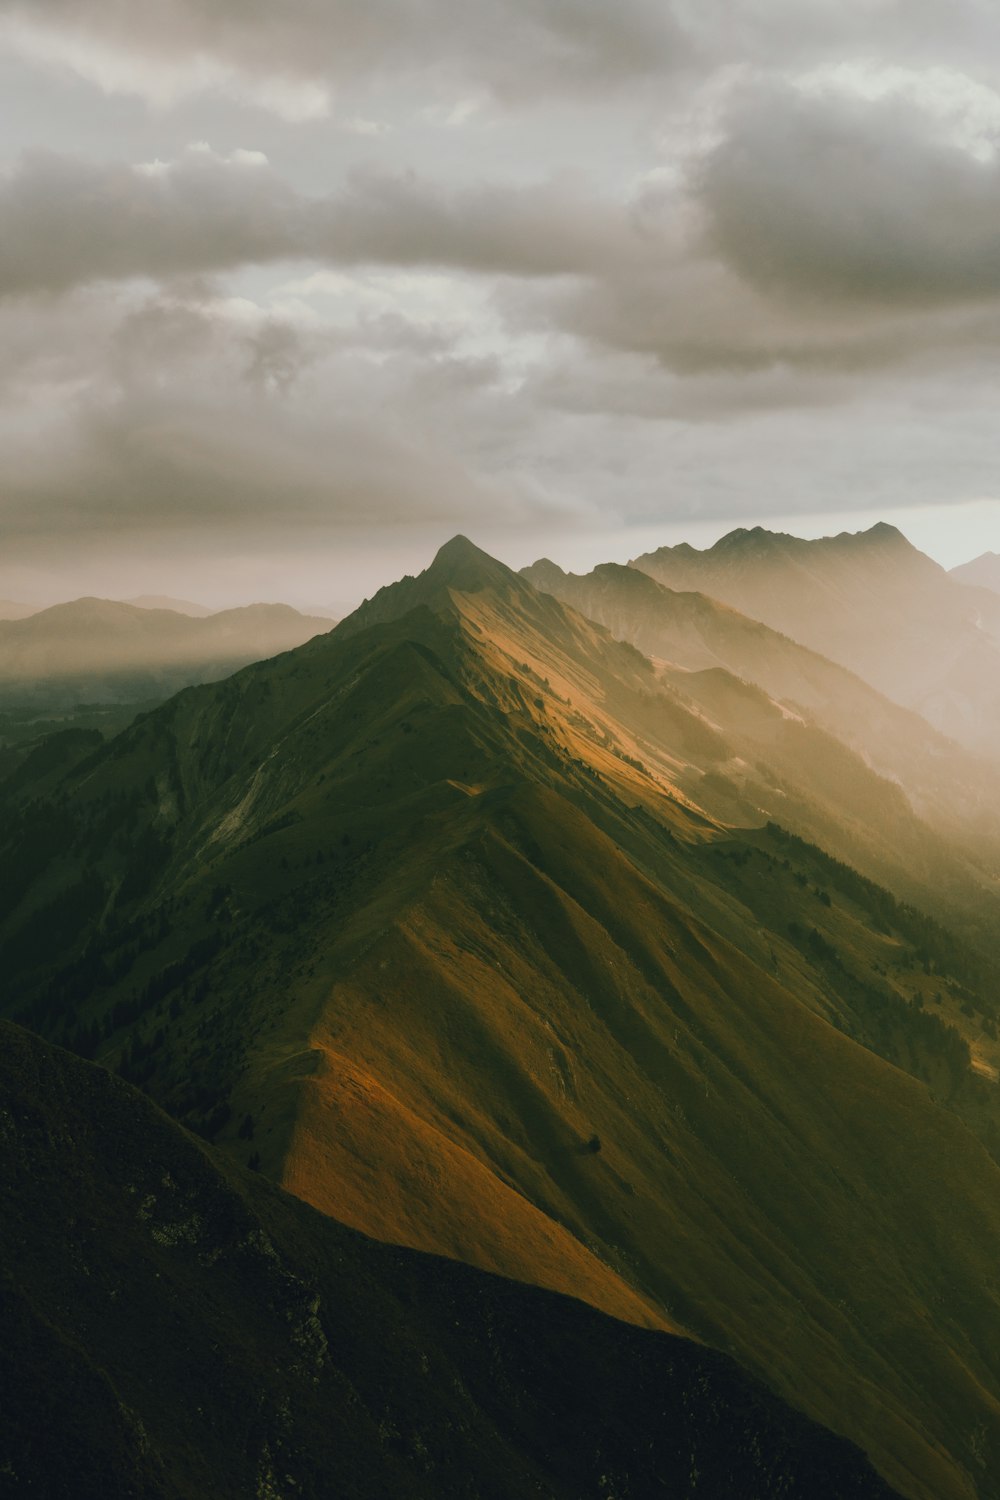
166	601
99	650
869	601
488	935
824	728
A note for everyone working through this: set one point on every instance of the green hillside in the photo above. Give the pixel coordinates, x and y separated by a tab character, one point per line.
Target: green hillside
431	921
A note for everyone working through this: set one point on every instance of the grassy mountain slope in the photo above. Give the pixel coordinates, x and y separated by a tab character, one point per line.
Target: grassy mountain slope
806	743
946	787
422	918
869	601
182	1329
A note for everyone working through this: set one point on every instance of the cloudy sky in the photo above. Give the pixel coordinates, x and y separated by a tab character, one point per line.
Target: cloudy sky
290	293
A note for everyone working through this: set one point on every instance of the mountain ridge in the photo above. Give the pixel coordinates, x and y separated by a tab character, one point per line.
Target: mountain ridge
871	602
434	884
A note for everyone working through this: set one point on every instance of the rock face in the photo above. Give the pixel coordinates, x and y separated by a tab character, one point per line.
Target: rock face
175	1328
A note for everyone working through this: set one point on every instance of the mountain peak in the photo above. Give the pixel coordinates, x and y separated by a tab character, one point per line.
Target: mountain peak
462	565
459	565
885	534
744	539
458	550
544	574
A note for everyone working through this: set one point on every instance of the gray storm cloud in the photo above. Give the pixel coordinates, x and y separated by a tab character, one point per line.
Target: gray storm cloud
518	46
852	199
68	222
513	47
178	416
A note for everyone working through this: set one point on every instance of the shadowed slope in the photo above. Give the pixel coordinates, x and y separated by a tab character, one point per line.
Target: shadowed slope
175	1329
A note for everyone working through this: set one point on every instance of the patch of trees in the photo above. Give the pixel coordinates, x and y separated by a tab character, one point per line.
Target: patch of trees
38	834
912	1038
56	926
150	854
905	1034
935	948
816	943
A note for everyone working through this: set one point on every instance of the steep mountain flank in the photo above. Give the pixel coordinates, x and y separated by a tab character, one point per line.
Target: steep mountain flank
175	1327
831	797
430	920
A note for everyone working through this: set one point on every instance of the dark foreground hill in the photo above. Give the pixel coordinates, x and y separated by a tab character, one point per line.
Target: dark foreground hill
429	919
176	1327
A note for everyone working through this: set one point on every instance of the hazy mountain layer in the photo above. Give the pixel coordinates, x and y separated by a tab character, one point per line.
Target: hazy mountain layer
867	821
11	610
165	601
100	651
421	917
982	572
869	601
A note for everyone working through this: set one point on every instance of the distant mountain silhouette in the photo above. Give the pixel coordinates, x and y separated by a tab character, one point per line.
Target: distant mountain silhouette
870	601
164	601
982	572
9	610
102	650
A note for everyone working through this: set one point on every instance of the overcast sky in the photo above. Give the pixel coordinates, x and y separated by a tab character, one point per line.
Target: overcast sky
291	292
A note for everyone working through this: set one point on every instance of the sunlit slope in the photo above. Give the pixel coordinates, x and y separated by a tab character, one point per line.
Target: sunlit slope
424	918
870	601
176	1328
948	788
804	742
